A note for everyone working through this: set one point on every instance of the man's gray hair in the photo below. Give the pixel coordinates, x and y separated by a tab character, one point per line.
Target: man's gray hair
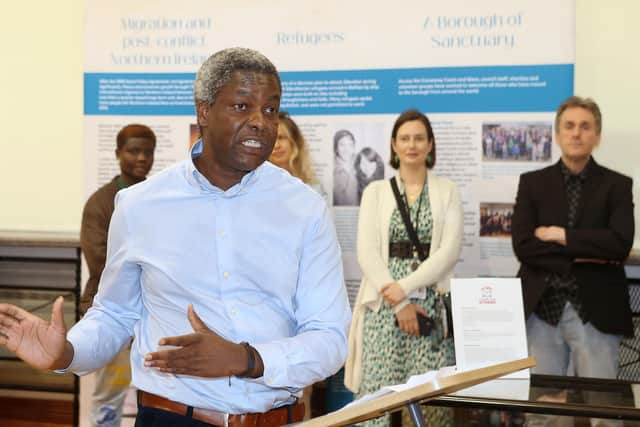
579	102
217	70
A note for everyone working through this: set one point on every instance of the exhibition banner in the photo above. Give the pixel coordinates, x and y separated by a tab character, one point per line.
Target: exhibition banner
488	74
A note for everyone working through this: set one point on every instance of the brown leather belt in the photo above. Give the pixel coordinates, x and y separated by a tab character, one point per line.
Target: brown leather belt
404	249
274	418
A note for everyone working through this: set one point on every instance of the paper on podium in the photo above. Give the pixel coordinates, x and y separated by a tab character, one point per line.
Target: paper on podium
414	381
488	322
436	386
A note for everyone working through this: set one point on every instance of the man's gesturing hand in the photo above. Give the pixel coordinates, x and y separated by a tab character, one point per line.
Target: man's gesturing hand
202	353
40	343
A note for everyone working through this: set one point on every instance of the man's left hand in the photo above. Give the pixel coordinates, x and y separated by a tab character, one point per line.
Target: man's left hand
202	353
393	294
552	233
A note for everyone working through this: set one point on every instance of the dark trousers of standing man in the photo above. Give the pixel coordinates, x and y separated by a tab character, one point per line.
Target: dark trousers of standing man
152	417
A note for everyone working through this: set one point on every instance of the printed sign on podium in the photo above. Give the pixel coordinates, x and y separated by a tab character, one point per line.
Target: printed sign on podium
488	323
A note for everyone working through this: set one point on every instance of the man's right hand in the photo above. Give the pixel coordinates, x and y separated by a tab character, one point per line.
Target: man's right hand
202	353
41	344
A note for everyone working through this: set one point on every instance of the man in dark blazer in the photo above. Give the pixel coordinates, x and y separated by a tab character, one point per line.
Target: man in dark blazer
572	230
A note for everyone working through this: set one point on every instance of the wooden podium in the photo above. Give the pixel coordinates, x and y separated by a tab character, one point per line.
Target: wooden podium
414	396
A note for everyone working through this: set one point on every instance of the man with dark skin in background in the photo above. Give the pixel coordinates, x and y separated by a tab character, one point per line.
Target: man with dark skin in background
135	146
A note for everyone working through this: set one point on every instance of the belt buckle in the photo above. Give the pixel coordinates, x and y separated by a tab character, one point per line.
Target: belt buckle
225	418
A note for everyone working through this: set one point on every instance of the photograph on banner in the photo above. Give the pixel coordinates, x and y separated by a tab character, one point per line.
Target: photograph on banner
488	322
360	153
524	142
495	219
515	143
487	242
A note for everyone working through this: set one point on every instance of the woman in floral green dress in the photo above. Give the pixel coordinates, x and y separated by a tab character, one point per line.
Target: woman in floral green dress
385	345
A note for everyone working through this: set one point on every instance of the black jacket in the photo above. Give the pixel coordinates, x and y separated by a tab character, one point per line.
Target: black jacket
604	230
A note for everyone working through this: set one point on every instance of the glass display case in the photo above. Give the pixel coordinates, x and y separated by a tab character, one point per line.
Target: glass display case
506	402
543	394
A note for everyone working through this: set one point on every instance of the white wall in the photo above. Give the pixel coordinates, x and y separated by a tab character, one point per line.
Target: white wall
607	69
41	115
41	103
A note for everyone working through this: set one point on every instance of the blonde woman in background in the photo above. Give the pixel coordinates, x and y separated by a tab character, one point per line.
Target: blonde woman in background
385	342
290	152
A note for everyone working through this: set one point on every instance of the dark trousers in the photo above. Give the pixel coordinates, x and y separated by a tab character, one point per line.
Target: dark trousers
152	417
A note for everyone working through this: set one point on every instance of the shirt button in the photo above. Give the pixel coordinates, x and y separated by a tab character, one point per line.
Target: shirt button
222	233
226	274
233	312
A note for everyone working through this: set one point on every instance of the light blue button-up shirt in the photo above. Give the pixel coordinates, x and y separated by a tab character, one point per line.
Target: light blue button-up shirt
259	262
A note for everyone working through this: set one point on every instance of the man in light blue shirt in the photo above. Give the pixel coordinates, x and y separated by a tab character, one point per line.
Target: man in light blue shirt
224	268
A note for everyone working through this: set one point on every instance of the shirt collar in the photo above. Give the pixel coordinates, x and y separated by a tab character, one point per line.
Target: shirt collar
197	179
567	174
